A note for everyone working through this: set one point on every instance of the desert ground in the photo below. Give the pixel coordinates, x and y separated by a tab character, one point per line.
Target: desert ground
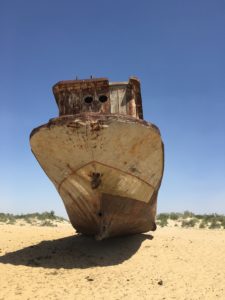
56	263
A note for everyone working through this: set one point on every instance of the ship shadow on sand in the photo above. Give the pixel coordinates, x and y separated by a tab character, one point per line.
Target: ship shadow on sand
77	251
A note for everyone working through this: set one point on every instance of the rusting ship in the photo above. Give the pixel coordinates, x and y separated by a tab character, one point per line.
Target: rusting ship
105	161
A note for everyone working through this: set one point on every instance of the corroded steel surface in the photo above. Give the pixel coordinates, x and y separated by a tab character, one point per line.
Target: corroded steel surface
124	98
107	167
70	94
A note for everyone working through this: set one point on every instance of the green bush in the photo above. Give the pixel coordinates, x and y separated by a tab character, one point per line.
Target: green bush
202	225
162	222
209	217
11	221
48	223
214	224
199	217
3	218
162	219
7	218
188	214
223	224
163	216
27	219
189	223
175	216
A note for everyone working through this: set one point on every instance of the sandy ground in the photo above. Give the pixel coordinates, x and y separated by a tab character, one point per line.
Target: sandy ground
53	263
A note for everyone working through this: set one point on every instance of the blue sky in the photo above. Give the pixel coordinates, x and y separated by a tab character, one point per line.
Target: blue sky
176	48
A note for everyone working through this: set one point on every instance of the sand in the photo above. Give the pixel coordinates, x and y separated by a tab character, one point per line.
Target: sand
54	263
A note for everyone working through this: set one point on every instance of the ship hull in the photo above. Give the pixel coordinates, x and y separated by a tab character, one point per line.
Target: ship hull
106	168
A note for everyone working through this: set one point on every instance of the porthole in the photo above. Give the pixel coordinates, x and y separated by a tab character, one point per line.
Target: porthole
103	98
88	99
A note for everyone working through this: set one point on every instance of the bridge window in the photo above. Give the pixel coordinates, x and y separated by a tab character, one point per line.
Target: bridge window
88	99
103	98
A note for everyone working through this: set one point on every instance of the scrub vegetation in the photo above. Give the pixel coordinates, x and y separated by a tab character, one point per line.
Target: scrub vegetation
36	219
188	219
